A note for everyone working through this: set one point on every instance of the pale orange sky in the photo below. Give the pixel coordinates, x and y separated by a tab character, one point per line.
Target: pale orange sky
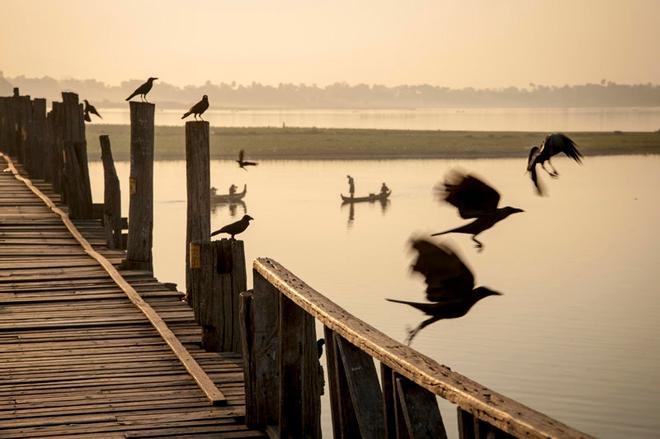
481	43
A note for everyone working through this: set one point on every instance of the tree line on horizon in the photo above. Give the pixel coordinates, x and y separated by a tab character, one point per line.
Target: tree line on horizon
343	95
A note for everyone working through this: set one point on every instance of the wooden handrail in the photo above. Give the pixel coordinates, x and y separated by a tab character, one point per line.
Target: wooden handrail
489	406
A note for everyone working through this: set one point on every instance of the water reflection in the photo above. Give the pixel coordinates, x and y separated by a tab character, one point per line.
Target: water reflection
232	207
383	202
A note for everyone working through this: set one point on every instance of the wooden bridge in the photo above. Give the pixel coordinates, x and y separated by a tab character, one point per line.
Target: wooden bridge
92	345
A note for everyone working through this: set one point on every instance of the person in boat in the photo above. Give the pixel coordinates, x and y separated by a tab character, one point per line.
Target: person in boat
384	189
232	189
351	186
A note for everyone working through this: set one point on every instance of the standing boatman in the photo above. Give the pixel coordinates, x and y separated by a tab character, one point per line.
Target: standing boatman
351	185
384	189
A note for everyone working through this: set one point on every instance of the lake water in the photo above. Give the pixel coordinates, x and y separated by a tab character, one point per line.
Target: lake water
470	119
575	334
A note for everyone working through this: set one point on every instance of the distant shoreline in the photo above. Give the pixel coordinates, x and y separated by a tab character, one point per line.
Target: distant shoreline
366	144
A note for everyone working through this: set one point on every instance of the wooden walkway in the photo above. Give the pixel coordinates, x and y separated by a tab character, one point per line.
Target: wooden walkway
77	358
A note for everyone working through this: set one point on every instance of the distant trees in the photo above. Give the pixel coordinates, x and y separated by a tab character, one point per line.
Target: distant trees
343	95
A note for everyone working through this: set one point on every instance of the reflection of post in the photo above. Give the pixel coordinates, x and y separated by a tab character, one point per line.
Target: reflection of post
141	184
198	184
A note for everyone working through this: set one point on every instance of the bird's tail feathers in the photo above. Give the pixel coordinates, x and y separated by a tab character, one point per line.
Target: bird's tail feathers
424	307
441	233
186	114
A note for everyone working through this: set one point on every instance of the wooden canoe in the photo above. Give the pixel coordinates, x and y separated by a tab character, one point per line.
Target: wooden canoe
227	198
371	198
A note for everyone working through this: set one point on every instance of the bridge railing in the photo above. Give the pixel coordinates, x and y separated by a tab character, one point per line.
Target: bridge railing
283	375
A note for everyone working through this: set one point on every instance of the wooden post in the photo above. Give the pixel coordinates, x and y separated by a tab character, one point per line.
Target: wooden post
299	399
141	201
198	185
4	127
220	276
54	154
38	139
246	317
111	196
77	187
264	353
22	114
420	410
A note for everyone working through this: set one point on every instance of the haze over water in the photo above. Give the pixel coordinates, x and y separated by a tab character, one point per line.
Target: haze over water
575	334
468	119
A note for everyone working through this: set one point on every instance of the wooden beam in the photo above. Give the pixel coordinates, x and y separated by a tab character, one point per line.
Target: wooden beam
420	410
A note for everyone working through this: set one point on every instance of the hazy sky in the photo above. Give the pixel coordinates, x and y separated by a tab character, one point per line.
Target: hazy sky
481	43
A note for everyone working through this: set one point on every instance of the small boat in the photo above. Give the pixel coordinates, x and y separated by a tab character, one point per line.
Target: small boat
371	198
227	198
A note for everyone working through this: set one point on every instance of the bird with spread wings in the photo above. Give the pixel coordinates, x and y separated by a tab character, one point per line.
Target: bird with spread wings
450	286
552	145
474	200
242	163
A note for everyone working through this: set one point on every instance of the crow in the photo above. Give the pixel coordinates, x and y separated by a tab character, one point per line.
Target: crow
143	90
474	199
235	228
449	285
198	109
243	163
552	145
90	109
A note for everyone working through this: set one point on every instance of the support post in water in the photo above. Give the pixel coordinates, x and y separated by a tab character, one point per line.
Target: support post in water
198	182
221	278
111	196
141	187
38	138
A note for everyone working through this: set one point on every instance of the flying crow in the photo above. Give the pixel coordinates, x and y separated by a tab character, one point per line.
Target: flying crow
553	144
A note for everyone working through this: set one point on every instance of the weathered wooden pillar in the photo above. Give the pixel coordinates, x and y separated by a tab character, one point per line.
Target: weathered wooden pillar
198	184
23	113
218	270
111	196
260	339
54	165
299	396
3	123
37	139
77	187
141	187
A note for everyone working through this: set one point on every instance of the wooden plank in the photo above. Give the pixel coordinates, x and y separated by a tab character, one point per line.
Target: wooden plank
420	410
290	358
364	389
344	421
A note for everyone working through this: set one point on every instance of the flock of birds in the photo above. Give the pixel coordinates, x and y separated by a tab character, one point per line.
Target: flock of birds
450	284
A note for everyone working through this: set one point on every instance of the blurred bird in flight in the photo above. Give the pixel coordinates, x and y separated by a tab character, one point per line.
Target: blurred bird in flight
242	163
552	145
90	109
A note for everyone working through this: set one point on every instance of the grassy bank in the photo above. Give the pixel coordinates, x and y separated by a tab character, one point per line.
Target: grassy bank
316	143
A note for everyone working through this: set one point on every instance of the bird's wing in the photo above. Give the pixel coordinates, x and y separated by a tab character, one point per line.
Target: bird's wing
535	179
470	195
224	229
559	142
241	155
531	160
445	274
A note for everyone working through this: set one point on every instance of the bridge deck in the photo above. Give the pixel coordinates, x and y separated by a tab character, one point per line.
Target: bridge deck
77	358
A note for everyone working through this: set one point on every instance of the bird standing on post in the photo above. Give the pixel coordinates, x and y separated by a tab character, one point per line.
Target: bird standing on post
90	109
552	145
450	285
474	199
143	90
243	163
198	109
235	228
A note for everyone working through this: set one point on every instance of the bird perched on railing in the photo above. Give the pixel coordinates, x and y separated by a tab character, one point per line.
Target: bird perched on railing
143	90
198	109
449	285
474	199
242	163
235	228
90	109
552	145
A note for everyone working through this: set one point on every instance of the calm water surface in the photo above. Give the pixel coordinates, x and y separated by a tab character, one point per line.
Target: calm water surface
470	119
575	334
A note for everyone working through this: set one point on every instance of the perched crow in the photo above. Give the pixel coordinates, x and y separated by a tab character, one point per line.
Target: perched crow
474	199
450	285
553	144
235	228
243	163
198	109
143	90
90	109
